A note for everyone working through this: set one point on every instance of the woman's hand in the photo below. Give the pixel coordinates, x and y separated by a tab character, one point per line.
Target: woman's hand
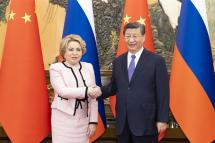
94	92
91	130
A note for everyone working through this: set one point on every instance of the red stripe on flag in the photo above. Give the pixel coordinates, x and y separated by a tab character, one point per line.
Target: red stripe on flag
189	103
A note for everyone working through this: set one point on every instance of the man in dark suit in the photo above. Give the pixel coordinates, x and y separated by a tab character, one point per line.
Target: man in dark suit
140	82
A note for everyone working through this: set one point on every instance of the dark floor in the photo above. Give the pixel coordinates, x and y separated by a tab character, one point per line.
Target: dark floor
107	141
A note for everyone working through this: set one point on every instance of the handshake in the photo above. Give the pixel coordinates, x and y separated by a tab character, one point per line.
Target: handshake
94	92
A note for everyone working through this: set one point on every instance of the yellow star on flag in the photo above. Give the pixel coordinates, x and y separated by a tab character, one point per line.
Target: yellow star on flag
141	21
11	15
126	19
27	18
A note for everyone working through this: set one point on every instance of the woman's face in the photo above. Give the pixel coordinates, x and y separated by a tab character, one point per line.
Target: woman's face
73	53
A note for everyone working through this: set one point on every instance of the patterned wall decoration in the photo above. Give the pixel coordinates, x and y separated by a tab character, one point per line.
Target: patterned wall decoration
210	5
163	33
108	16
3	6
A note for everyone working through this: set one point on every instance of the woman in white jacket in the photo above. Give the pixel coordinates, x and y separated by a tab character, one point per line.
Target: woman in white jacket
74	109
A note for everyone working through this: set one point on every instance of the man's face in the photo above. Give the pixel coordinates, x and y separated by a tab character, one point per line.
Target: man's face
134	40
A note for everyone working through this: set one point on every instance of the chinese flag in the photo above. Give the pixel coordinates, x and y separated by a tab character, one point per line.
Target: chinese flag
134	11
24	105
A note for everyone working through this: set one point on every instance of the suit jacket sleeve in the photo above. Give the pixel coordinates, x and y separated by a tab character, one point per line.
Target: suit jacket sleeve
162	91
93	103
111	88
60	87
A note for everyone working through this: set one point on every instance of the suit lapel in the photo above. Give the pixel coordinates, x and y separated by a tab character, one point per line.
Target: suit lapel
124	67
140	64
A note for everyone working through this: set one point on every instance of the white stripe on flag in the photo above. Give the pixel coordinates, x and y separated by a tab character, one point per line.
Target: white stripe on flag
201	7
87	7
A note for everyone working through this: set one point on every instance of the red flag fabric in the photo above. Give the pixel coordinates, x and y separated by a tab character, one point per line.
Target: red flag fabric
24	105
134	11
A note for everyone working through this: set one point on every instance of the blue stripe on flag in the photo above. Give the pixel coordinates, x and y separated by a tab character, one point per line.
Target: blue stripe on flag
76	22
195	47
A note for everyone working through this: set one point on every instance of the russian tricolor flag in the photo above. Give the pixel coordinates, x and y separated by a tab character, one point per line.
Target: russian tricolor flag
80	20
192	81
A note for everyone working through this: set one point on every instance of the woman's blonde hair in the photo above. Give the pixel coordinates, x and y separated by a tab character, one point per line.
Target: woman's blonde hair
69	38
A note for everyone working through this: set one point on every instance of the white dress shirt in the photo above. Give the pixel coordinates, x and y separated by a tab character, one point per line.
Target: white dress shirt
138	54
